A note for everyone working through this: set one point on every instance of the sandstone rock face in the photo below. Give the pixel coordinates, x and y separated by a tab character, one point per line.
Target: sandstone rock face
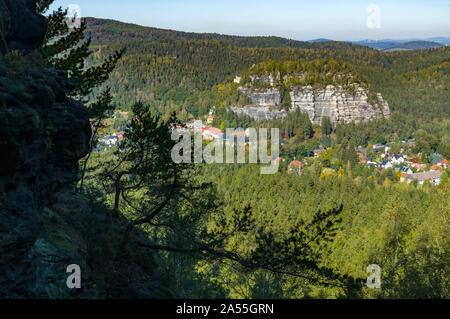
267	98
73	233
337	104
44	225
258	113
332	101
43	134
22	26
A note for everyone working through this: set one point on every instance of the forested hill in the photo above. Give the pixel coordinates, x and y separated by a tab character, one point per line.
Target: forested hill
177	71
388	45
414	45
104	30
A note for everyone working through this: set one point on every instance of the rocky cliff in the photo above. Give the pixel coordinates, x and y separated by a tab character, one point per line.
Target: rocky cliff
43	135
258	113
21	27
335	92
332	101
337	104
44	225
267	98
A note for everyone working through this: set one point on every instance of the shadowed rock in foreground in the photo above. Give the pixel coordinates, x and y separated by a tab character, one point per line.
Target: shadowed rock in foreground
43	135
44	225
22	27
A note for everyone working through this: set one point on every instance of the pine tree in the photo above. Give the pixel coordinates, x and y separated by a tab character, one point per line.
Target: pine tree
326	126
349	154
307	126
67	50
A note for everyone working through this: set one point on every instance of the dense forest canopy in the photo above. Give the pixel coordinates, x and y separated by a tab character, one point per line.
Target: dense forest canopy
143	225
180	72
191	75
382	221
318	72
113	31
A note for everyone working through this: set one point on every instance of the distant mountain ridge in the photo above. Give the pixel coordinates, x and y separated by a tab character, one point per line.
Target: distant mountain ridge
106	30
440	40
182	71
320	40
410	44
414	45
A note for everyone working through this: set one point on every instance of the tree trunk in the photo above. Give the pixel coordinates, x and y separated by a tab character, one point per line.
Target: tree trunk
117	199
91	146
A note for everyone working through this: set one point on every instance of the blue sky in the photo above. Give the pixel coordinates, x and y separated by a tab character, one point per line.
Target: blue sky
294	19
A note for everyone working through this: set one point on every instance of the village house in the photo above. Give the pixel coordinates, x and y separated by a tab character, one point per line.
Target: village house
378	148
390	161
433	176
386	164
443	163
295	167
403	177
119	135
411	143
406	169
108	141
211	132
397	160
197	125
435	167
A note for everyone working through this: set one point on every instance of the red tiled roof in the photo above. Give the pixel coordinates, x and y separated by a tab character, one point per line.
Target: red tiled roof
215	131
295	163
204	128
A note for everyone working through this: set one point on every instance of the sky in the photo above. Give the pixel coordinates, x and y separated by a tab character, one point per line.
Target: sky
294	19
